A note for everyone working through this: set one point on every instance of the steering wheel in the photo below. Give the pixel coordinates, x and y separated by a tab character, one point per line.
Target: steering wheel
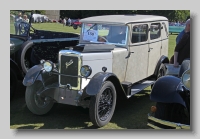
102	39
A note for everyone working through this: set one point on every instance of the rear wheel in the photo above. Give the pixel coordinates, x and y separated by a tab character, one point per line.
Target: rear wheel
102	105
75	26
161	71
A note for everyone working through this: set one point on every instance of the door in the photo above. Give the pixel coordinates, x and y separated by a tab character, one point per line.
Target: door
138	48
165	38
154	46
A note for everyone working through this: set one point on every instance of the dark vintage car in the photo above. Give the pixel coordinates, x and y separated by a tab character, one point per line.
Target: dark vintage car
29	45
172	97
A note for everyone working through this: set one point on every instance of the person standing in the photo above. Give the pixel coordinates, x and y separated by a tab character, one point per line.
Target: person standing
17	20
69	22
64	22
25	18
182	49
187	28
180	35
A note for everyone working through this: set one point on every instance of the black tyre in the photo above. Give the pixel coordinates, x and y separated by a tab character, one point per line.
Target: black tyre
75	26
102	105
36	104
13	82
161	71
25	56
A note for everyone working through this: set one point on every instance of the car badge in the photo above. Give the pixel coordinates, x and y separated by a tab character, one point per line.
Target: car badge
69	63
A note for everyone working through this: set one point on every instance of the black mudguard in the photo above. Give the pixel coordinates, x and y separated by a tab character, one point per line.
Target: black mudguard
97	81
165	90
33	74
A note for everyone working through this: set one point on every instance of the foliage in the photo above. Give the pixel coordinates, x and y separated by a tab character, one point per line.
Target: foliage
172	15
39	11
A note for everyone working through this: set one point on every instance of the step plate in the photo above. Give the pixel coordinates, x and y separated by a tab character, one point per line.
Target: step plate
140	86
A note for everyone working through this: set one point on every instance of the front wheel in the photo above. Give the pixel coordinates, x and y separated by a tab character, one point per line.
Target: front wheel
102	105
37	104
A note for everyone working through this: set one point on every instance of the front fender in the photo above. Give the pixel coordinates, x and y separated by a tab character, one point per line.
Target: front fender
98	79
165	90
33	74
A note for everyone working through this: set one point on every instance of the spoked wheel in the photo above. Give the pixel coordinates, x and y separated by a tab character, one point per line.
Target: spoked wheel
102	105
37	104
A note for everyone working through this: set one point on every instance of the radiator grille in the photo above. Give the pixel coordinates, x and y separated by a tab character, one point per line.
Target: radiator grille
69	65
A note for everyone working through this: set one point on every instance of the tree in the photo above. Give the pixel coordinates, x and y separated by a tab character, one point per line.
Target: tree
172	15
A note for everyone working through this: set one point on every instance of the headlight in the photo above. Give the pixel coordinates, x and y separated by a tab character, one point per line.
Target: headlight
86	71
48	66
186	79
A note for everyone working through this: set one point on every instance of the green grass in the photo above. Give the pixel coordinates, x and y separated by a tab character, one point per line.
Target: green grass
49	26
129	114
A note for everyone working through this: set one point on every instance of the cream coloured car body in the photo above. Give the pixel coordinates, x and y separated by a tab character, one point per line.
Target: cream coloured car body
144	57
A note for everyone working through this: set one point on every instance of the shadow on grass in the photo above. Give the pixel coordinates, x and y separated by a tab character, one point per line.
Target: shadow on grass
129	114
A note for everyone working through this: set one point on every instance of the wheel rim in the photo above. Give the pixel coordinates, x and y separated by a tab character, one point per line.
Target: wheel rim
105	104
40	101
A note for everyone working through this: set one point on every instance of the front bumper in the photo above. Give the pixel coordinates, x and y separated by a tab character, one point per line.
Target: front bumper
62	95
156	123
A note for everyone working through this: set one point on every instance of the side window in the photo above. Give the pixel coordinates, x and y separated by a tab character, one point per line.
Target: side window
167	33
155	31
140	33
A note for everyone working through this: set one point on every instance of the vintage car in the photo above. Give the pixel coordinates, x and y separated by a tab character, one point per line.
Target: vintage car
117	57
172	96
28	45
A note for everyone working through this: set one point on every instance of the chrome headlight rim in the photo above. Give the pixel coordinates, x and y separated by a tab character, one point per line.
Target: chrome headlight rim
85	71
185	79
48	65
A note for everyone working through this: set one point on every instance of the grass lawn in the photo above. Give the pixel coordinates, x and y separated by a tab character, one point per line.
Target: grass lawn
129	114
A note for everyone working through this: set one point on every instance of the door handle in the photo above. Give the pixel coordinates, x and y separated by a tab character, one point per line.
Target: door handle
150	49
129	53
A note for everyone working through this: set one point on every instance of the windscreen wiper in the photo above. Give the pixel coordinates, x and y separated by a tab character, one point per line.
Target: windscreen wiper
91	27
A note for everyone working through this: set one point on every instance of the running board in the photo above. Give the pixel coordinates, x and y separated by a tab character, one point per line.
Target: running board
139	87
